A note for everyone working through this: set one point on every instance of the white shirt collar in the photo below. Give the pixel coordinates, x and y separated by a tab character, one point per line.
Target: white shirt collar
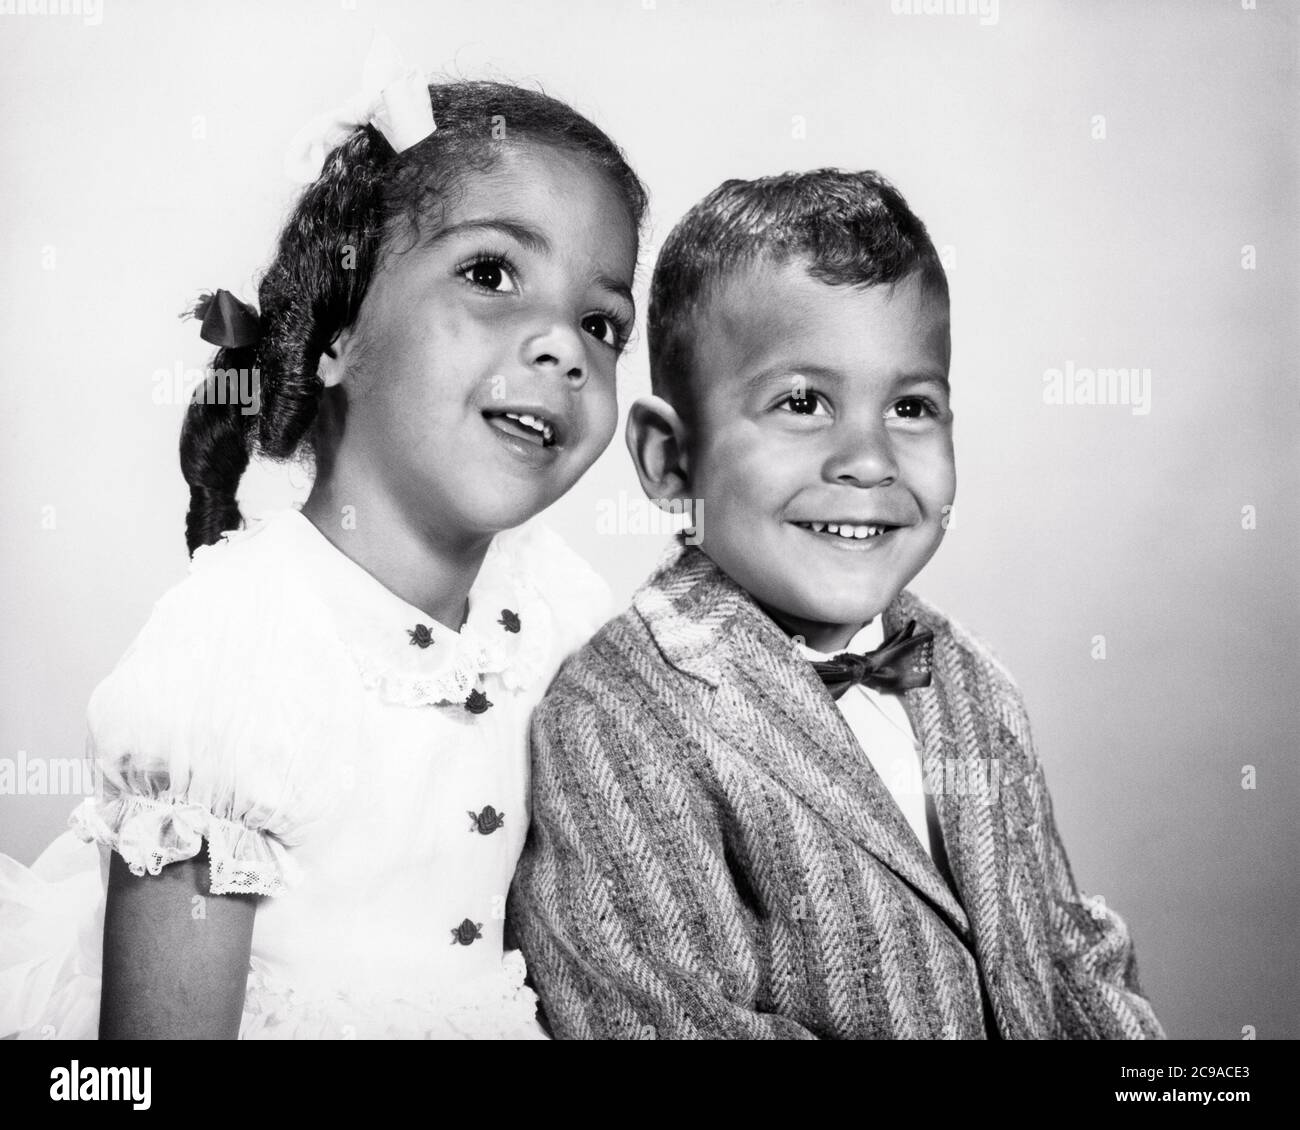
867	638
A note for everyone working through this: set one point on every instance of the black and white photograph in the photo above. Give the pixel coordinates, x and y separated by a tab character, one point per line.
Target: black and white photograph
604	520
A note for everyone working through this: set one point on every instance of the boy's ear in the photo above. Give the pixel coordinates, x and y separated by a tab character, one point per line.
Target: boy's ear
656	437
332	366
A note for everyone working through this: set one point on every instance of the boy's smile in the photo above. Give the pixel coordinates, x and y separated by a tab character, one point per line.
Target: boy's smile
820	443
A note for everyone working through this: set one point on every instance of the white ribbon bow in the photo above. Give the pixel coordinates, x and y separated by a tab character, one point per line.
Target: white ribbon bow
394	99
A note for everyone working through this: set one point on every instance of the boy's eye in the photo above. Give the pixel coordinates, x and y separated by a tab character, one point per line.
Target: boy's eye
490	274
807	403
915	408
604	329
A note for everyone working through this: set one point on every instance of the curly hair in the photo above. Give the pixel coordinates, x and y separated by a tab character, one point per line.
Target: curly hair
326	255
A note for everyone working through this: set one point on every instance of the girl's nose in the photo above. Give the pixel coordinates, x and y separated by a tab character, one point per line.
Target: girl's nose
557	351
862	457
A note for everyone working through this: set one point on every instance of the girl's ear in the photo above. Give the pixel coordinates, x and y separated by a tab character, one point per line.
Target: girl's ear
656	437
332	366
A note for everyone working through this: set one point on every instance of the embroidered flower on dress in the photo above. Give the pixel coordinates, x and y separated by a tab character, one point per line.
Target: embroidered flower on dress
467	933
478	702
421	635
520	566
487	821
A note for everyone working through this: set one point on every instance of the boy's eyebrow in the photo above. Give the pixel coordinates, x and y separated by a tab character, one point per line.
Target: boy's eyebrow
922	378
821	372
786	370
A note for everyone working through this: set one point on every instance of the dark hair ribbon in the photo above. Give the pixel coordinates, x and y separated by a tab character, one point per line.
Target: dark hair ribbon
226	321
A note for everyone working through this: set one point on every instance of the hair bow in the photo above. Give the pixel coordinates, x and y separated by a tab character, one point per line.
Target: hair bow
226	321
394	99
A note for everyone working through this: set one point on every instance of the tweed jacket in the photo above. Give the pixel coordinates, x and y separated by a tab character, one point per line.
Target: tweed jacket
711	855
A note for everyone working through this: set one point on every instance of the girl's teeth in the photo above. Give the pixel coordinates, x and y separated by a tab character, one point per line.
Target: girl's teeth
538	425
832	528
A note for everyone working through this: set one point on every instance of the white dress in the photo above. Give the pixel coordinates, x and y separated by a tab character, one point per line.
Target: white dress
359	763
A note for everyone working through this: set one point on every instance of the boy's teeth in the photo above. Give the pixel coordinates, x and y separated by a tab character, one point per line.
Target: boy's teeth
844	530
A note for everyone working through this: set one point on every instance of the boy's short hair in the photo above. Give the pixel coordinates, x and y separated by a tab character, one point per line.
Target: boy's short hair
851	229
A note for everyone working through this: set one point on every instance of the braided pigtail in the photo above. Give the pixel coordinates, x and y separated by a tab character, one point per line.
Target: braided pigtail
214	450
312	288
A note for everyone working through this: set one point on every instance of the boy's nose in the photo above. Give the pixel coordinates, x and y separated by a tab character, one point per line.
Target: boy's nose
862	456
557	351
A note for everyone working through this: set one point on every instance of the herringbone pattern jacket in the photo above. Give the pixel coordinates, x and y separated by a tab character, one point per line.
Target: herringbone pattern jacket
712	855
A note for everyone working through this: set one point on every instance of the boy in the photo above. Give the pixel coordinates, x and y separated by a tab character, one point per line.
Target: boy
734	833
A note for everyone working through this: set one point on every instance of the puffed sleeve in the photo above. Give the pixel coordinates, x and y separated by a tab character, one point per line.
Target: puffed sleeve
210	728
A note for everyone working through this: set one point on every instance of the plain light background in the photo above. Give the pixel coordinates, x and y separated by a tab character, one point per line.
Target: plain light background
141	162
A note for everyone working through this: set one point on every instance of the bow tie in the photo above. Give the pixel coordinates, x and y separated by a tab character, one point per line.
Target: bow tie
899	664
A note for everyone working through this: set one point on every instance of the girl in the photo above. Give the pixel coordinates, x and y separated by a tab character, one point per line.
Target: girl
313	758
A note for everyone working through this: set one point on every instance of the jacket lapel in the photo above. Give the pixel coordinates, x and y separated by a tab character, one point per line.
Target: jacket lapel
768	701
966	756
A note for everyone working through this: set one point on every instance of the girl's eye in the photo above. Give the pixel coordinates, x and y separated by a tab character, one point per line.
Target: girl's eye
809	404
490	274
915	408
604	328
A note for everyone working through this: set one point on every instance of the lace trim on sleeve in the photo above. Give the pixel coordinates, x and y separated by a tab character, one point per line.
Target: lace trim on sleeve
149	833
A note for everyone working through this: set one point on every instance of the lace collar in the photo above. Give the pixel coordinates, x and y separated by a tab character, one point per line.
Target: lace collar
405	655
